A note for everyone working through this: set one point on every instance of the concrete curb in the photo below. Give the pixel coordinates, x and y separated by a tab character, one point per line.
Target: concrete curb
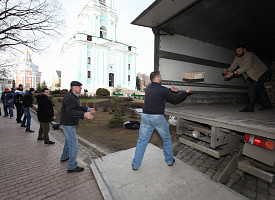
100	152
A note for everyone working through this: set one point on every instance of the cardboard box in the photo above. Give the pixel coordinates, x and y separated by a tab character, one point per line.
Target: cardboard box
193	75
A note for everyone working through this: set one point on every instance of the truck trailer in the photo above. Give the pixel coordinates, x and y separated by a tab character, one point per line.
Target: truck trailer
194	41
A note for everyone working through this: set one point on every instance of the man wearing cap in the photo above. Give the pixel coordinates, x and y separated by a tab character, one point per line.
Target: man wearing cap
70	113
7	100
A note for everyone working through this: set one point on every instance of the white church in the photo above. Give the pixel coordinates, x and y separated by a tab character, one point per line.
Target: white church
93	56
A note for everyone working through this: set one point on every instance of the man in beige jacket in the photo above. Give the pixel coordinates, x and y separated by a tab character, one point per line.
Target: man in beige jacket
250	66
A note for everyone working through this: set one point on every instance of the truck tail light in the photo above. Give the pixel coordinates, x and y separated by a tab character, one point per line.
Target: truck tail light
259	141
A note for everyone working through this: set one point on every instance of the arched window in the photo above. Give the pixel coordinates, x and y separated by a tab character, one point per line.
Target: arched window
89	60
103	32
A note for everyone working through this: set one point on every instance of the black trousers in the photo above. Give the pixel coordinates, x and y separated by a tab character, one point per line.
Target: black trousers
19	112
257	89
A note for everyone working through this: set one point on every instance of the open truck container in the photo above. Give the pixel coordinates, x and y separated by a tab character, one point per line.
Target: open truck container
194	41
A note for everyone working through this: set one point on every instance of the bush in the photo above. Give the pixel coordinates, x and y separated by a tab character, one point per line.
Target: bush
128	99
64	91
55	92
117	119
102	92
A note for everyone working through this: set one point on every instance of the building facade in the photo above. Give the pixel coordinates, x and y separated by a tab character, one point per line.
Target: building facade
93	56
27	73
57	80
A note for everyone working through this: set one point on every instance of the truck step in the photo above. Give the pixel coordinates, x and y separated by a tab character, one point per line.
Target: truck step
246	166
189	141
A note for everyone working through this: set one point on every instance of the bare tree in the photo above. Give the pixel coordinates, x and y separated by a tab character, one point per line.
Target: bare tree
144	80
27	23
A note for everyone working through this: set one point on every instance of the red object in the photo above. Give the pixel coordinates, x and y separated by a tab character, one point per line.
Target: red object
260	142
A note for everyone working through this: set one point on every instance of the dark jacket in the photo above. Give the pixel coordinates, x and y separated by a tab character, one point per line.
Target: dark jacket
27	100
6	97
71	110
18	96
156	97
45	112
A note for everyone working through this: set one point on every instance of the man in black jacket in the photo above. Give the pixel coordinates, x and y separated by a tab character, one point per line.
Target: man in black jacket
45	114
70	113
27	104
153	118
18	100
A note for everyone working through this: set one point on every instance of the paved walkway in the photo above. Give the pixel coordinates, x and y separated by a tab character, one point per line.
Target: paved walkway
31	170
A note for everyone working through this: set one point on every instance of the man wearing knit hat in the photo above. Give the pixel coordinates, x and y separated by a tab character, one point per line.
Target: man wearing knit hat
7	100
70	113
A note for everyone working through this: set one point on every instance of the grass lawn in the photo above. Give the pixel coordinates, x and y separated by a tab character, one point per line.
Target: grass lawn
110	139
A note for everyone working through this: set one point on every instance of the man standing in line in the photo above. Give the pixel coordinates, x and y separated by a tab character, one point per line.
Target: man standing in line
250	66
45	114
27	104
153	118
70	113
13	91
18	100
7	100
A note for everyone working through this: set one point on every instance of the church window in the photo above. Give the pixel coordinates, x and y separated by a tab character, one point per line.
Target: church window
129	78
103	32
129	66
89	74
89	60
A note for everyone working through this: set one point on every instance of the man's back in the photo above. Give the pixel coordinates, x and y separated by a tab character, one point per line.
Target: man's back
156	97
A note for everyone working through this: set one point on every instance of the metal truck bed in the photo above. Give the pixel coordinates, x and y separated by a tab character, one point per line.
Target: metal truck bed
261	123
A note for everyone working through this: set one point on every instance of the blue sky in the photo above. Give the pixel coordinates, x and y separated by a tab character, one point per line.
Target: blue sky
127	11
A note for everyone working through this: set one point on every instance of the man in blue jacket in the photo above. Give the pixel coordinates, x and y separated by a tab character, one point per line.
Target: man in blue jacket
153	118
70	113
7	100
27	104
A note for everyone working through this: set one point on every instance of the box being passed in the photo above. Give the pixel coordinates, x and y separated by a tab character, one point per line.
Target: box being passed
193	75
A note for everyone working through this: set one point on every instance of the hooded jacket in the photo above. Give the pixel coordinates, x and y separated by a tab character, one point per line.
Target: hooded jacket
18	96
45	112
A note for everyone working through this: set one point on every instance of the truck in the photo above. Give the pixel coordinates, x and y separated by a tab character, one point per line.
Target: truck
193	41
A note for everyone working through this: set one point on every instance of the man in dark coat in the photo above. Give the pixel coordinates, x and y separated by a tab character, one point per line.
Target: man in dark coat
18	100
70	113
7	100
45	114
27	104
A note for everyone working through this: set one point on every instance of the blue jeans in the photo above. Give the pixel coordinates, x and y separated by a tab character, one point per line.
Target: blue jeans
148	124
27	116
6	108
257	88
70	146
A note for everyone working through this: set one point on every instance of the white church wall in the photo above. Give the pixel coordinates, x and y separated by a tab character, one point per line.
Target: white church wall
102	51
